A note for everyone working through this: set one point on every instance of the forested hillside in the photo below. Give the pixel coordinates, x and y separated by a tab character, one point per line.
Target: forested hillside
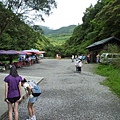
15	34
58	36
99	22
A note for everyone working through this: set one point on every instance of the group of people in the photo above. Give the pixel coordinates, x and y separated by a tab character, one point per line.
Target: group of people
85	58
26	60
79	60
13	94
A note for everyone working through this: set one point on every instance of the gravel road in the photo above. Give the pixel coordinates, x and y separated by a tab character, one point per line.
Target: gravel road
67	95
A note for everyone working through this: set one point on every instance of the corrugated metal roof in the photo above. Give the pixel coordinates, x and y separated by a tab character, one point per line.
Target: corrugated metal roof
102	42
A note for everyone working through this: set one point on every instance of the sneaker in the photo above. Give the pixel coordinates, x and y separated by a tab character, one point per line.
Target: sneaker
34	117
30	118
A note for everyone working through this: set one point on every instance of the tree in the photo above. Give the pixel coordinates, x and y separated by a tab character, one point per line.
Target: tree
99	22
38	29
32	9
24	7
6	17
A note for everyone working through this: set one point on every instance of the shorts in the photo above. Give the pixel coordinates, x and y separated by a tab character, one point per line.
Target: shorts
32	99
13	100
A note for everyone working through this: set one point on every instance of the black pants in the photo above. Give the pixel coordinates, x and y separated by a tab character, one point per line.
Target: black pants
79	68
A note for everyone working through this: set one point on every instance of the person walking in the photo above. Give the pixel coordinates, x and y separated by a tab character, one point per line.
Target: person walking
13	92
88	58
97	58
76	64
72	58
80	64
32	99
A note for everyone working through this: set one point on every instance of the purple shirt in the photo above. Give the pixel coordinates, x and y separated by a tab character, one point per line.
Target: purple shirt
13	82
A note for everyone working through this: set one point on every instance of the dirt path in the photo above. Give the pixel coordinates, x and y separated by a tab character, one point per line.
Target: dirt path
67	95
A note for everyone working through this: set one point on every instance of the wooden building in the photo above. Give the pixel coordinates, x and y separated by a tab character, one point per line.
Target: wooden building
97	47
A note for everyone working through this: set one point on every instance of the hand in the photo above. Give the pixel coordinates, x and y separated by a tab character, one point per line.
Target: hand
27	95
19	99
6	100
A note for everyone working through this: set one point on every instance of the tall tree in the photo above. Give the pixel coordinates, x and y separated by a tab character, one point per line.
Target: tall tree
34	9
6	17
99	22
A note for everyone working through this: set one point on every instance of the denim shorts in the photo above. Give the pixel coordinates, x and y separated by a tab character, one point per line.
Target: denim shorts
32	99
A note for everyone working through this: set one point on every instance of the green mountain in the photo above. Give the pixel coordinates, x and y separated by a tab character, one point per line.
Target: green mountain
63	30
58	36
45	29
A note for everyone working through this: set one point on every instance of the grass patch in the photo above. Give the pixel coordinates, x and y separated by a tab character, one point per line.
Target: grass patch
113	77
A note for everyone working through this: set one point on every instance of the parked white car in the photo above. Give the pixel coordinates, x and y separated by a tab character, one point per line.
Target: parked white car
109	57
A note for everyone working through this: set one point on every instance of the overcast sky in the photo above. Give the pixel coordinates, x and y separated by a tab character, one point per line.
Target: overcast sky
68	12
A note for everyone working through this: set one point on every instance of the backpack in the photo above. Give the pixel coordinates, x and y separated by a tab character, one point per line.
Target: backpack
35	89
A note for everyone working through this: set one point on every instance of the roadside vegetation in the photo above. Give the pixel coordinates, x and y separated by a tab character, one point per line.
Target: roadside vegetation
111	71
112	74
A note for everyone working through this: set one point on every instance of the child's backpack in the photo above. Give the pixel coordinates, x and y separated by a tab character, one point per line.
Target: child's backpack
34	88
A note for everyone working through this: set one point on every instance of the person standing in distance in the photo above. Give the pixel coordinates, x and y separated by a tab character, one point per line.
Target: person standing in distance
13	92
